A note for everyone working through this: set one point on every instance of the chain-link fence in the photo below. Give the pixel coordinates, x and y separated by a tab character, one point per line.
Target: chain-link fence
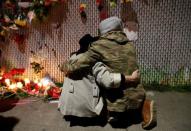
163	45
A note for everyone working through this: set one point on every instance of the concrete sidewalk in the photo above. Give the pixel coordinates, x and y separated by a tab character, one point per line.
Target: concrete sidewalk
174	114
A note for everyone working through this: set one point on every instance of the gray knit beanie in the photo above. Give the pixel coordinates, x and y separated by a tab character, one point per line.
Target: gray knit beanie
109	24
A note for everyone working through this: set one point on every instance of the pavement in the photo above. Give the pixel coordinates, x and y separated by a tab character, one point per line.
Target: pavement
33	114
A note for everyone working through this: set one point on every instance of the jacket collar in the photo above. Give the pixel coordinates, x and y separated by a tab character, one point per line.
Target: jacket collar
117	36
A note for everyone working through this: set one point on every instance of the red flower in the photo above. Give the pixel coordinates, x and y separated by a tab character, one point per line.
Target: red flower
63	1
32	88
82	8
19	39
9	5
17	71
2	20
36	87
27	87
103	14
98	2
54	92
7	75
48	2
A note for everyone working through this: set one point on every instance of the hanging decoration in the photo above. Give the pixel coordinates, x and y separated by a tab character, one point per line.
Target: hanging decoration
31	15
20	40
38	58
126	1
3	34
113	3
15	14
36	67
99	4
83	13
128	13
103	14
35	63
54	52
129	18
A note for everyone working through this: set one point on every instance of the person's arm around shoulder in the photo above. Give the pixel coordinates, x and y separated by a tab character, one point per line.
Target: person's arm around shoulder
85	61
105	78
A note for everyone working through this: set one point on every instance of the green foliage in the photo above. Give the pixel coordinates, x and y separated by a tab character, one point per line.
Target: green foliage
152	75
162	81
40	9
59	84
22	94
162	88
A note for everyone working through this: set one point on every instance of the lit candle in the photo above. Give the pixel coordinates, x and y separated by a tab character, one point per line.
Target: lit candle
39	84
12	86
19	85
45	83
7	81
27	81
36	81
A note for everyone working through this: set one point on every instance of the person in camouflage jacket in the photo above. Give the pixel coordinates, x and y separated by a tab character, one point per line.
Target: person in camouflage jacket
119	55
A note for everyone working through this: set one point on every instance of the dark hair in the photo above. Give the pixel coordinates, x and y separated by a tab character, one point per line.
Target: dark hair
84	43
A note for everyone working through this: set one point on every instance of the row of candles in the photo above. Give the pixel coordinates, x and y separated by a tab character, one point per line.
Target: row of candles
19	85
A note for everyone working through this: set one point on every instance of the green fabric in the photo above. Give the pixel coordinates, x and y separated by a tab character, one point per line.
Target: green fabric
113	49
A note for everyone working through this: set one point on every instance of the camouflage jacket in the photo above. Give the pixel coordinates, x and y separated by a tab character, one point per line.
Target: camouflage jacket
119	55
113	49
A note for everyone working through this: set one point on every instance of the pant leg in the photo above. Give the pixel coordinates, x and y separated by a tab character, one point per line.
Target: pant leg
119	100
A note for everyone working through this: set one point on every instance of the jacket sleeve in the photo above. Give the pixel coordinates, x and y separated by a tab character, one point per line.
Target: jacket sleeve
85	61
104	77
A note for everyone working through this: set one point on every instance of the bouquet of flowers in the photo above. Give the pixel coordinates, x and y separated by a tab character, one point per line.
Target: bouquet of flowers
12	84
16	14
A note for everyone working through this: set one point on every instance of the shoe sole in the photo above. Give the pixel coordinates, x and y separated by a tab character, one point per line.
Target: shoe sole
153	121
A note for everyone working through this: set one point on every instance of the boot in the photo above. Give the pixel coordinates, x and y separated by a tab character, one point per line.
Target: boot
149	114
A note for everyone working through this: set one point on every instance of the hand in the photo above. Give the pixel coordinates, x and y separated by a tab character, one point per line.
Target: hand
134	77
61	67
66	73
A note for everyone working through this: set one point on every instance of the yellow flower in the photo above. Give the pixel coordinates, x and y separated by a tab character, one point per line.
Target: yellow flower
123	1
21	23
83	5
2	33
